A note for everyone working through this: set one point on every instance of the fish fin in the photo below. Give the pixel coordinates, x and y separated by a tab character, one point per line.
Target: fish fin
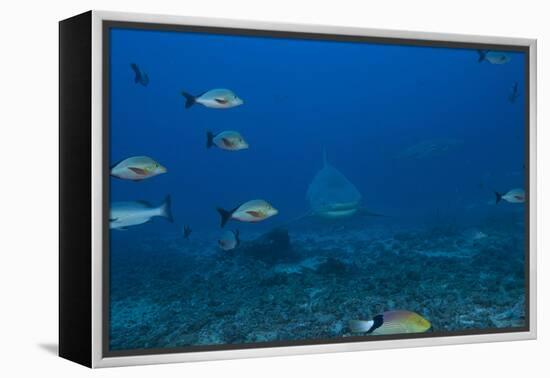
166	209
113	219
378	320
498	197
222	101
360	326
190	100
482	54
139	171
254	213
225	215
237	238
210	139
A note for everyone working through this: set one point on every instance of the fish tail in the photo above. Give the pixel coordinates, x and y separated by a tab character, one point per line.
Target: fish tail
498	197
209	139
360	326
166	209
482	54
225	215
190	100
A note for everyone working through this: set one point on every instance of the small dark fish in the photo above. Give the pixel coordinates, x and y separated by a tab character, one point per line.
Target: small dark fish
186	232
514	94
141	77
493	57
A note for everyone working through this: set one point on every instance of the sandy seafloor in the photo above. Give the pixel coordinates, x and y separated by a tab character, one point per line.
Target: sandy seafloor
169	292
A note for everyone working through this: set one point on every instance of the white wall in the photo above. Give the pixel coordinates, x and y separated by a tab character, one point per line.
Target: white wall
28	167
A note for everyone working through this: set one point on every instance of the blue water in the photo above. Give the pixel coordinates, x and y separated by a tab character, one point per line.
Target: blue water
425	134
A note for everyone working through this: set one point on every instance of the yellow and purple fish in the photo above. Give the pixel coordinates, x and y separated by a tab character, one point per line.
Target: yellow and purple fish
137	168
391	323
251	211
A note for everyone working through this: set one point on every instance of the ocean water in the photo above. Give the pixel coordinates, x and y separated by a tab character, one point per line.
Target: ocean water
425	134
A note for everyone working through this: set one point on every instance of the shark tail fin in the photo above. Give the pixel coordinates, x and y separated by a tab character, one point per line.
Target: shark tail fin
498	197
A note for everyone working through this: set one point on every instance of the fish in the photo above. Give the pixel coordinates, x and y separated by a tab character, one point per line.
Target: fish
513	96
226	140
137	168
134	213
331	194
512	196
251	211
391	323
140	76
229	240
493	57
186	231
214	98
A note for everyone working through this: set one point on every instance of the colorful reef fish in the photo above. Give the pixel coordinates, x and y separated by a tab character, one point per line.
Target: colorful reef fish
391	323
251	211
137	168
214	98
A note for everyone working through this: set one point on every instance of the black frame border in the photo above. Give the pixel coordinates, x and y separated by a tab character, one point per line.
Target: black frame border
107	25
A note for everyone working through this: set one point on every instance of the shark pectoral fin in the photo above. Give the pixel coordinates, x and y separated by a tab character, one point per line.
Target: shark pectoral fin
139	171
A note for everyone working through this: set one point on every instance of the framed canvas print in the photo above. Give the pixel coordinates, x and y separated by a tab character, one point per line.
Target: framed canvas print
237	189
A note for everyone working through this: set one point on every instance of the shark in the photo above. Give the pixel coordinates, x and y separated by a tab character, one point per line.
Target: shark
332	196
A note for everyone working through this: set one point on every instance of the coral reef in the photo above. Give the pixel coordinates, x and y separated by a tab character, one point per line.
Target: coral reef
167	292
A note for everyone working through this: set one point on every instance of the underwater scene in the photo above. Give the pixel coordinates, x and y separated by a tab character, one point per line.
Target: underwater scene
279	190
